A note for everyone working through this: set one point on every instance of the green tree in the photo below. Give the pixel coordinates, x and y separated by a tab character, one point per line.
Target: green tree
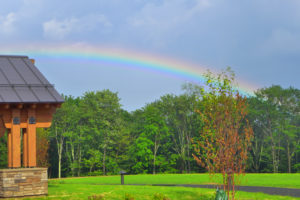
101	112
179	113
62	124
141	154
155	129
279	120
257	117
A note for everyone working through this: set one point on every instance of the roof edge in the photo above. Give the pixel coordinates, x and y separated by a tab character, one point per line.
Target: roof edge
14	56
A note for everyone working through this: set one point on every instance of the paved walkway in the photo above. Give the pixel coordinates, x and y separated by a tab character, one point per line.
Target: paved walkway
267	190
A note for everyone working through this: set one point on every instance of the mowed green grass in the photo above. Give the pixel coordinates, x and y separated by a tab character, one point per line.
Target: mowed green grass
267	180
116	192
82	188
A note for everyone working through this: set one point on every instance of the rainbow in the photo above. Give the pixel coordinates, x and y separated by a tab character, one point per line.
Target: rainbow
124	58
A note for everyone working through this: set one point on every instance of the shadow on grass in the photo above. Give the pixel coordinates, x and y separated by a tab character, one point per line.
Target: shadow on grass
55	184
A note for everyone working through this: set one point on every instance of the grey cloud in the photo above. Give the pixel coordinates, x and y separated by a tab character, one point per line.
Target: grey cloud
59	29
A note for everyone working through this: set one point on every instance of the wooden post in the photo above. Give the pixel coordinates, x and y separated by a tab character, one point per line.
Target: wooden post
9	149
25	148
31	131
16	139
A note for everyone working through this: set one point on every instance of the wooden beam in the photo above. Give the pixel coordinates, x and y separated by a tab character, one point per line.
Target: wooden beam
16	139
43	124
9	149
31	130
25	148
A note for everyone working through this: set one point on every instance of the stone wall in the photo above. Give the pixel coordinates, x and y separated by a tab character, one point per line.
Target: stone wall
23	182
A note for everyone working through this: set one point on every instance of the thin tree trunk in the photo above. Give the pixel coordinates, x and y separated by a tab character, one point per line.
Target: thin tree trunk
79	153
257	153
79	160
288	157
72	159
278	156
103	163
154	164
59	159
59	142
260	155
156	147
154	156
188	155
91	168
59	166
274	158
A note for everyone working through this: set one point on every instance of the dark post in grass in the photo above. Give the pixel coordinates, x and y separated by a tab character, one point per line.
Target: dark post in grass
122	176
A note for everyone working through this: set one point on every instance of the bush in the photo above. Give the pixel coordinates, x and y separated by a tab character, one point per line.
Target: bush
128	197
297	167
95	173
159	196
96	197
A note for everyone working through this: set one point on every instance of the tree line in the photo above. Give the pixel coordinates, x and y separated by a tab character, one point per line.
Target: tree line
93	135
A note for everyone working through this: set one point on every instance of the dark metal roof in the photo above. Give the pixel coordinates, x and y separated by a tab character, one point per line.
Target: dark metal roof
22	82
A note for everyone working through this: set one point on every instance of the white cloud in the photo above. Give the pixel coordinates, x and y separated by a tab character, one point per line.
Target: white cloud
56	29
7	23
169	12
59	29
157	21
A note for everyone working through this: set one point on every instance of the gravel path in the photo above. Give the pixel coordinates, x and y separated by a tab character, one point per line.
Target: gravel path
267	190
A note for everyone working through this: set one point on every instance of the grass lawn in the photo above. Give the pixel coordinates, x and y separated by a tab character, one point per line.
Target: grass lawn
81	188
110	192
268	180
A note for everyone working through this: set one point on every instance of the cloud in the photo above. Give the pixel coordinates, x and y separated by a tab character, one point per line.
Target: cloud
59	29
282	41
7	23
169	12
156	22
55	29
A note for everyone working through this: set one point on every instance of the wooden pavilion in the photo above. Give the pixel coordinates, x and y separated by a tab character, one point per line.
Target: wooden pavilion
27	102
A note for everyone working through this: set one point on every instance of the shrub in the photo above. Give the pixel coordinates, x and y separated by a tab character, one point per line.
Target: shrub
96	197
128	197
159	196
95	173
297	167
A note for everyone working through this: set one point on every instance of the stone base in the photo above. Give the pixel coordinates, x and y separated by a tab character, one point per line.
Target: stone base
23	182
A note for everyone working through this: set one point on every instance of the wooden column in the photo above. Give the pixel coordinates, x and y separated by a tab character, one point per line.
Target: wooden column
31	131
25	148
16	139
9	149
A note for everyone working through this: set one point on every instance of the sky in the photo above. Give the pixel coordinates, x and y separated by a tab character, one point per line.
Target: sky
258	39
